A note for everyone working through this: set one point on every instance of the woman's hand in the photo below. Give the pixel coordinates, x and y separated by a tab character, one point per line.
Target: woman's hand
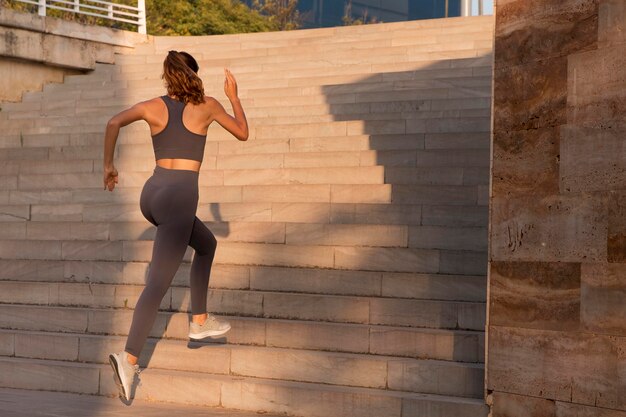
110	177
230	85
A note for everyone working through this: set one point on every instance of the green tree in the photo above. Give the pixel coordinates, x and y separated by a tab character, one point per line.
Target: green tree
204	17
283	13
176	17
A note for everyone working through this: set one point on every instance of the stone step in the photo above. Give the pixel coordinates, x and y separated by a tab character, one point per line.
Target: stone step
360	150
257	232
306	58
395	311
63	119
414	260
258	278
35	403
92	87
439	98
383	111
56	133
48	206
314	67
322	42
86	188
332	368
100	85
14	224
254	394
462	168
411	342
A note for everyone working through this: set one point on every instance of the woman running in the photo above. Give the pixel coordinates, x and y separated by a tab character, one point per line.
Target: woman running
178	124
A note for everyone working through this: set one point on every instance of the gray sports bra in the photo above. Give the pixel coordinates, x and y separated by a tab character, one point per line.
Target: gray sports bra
176	141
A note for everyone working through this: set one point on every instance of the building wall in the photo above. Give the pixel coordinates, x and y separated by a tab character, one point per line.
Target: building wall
326	13
35	50
557	271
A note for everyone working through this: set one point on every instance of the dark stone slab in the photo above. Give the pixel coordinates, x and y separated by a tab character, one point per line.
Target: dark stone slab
526	162
535	295
583	368
532	30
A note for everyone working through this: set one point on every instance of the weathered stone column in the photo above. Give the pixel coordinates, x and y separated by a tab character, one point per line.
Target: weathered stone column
557	274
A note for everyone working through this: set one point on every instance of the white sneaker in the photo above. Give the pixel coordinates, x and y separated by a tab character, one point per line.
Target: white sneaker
123	373
211	327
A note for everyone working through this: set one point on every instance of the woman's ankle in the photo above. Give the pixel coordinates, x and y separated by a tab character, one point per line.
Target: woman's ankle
199	318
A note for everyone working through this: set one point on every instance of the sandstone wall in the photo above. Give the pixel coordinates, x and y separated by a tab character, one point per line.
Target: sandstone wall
557	274
36	50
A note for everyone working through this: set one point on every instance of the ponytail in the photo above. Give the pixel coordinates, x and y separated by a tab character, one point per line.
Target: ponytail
180	72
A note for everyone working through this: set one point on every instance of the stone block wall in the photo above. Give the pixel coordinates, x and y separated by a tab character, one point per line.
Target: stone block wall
557	263
36	50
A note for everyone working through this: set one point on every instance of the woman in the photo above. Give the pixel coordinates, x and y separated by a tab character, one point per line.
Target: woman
178	124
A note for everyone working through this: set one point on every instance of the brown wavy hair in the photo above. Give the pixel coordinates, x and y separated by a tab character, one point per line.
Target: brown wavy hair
180	72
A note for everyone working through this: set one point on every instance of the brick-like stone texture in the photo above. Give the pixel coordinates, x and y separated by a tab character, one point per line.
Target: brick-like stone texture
557	261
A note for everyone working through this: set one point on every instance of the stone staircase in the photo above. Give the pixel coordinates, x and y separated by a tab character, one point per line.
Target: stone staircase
352	226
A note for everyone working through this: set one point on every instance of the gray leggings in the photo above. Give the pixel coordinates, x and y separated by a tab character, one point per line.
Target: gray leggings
169	200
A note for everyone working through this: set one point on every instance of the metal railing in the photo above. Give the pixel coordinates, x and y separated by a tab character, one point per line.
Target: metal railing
466	7
98	8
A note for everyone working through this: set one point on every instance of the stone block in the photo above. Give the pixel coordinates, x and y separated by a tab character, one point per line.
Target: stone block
526	161
546	30
318	336
611	27
300	212
458	345
616	240
437	237
415	313
530	96
431	194
538	295
316	307
582	368
38	375
454	216
602	292
346	235
547	229
462	262
286	193
401	214
310	366
315	280
591	159
323	401
436	377
512	405
46	346
434	286
387	259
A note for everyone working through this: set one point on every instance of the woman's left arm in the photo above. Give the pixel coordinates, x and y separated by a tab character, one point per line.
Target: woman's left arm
132	114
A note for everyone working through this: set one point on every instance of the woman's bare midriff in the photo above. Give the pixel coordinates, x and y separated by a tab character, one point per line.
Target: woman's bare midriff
188	164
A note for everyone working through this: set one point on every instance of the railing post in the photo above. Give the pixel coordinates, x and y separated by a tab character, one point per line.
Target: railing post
466	7
141	4
42	8
77	6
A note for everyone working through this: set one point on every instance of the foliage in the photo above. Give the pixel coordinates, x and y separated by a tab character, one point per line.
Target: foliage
348	20
176	17
283	13
203	17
